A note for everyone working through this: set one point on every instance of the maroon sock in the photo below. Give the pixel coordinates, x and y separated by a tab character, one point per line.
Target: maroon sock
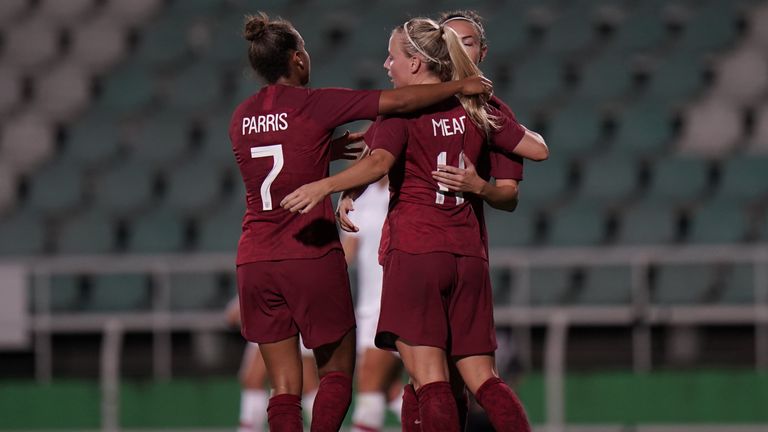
284	413
462	406
437	408
332	402
502	406
410	411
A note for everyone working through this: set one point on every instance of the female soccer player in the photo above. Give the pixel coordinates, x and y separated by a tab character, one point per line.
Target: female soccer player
436	299
291	273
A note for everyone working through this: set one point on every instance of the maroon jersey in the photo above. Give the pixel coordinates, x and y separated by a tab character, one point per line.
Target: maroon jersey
424	216
280	137
505	165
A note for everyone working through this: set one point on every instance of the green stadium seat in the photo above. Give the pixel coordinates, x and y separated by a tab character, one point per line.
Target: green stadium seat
93	139
550	286
711	28
571	32
535	81
118	292
510	229
57	187
163	42
160	231
544	182
608	179
677	78
220	231
763	227
606	285
193	186
162	139
744	179
124	189
575	128
196	89
128	89
738	285
22	233
678	180
195	291
684	284
719	222
579	224
648	223
217	147
604	78
642	30
91	232
644	128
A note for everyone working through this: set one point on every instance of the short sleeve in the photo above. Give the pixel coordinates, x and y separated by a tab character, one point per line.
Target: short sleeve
509	133
391	135
331	107
370	134
506	166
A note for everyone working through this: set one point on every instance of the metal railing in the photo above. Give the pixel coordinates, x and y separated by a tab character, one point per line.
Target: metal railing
639	314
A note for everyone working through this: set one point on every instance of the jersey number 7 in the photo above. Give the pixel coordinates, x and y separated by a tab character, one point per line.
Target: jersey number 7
276	153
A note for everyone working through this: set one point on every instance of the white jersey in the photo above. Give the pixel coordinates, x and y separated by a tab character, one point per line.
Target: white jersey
369	214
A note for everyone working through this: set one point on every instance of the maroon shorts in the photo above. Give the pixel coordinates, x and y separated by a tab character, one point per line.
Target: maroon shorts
279	299
437	299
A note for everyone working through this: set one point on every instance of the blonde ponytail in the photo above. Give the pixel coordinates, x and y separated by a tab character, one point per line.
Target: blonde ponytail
444	55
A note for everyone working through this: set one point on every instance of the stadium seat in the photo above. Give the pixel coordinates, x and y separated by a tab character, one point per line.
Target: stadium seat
163	43
605	78
608	180
744	179
127	89
186	92
37	136
644	128
57	188
741	76
8	187
23	233
641	31
544	182
606	285
738	285
94	139
678	180
220	231
570	33
216	146
131	12
711	128
19	52
118	292
124	189
66	13
98	44
193	186
63	92
64	295
88	232
719	222
575	128
159	231
684	284
678	78
710	28
162	139
648	223
511	229
579	224
535	81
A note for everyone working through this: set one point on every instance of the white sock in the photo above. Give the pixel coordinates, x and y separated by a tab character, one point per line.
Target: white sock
253	410
307	401
369	412
396	405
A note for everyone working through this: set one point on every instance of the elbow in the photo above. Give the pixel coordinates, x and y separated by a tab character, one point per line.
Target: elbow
541	153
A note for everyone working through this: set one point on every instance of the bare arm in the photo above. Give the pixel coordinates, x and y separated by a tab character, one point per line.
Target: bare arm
414	97
365	171
532	147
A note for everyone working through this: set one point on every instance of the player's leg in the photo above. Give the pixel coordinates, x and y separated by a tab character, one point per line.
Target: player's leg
284	369
335	366
428	369
500	403
311	381
253	396
460	396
